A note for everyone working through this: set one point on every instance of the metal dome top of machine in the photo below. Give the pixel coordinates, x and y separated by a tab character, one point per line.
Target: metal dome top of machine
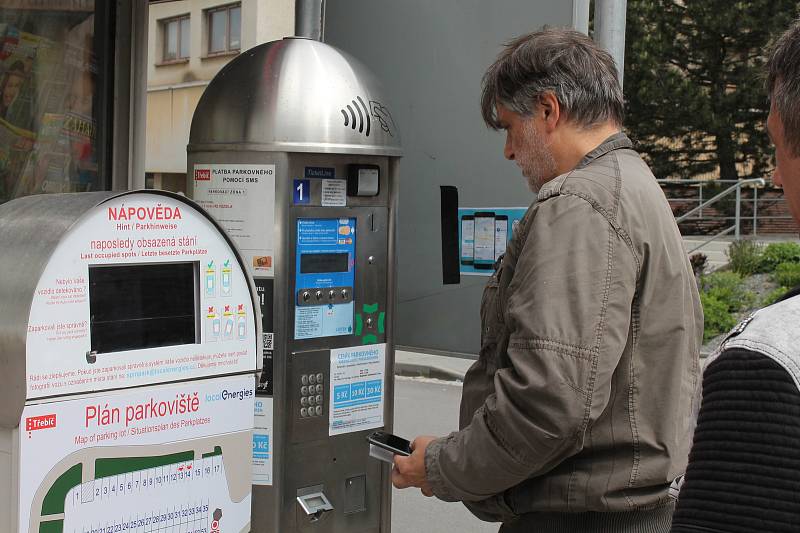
296	95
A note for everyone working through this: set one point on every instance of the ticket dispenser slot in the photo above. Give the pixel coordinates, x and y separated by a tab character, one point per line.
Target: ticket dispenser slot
313	502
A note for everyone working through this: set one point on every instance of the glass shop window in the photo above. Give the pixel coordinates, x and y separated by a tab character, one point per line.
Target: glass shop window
54	73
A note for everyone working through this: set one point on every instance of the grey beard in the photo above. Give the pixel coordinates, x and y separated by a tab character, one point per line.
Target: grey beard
538	159
541	168
534	183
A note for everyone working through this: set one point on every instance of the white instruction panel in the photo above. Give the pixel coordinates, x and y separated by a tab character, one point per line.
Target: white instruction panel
356	388
103	296
262	442
165	458
334	193
242	199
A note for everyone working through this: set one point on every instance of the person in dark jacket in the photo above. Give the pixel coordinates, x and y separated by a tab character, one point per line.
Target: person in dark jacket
744	467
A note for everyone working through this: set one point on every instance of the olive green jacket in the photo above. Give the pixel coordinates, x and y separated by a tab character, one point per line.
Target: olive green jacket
581	399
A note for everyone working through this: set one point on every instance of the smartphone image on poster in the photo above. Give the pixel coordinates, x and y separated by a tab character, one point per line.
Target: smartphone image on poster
500	235
483	255
467	239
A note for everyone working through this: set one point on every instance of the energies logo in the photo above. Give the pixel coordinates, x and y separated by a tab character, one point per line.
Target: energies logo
216	518
226	395
202	174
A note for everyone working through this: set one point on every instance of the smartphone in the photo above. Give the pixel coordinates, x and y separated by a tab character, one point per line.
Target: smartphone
467	239
393	443
500	235
484	240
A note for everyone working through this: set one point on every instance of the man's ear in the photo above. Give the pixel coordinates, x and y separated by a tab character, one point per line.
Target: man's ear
549	110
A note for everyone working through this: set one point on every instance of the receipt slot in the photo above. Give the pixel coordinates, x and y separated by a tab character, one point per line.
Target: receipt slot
129	347
294	150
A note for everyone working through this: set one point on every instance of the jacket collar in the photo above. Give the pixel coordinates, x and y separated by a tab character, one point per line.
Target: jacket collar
614	142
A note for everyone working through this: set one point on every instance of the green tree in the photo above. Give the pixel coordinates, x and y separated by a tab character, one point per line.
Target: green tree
694	83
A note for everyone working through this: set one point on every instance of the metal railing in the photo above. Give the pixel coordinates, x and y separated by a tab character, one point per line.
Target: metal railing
735	188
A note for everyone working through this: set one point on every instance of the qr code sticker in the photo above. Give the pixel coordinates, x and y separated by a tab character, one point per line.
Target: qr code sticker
268	341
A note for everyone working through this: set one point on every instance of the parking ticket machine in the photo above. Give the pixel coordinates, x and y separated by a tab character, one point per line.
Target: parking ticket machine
294	150
129	346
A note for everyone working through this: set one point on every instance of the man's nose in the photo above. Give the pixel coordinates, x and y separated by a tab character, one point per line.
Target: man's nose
777	181
508	150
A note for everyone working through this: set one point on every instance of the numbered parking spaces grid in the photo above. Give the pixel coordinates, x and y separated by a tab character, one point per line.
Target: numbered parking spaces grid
172	498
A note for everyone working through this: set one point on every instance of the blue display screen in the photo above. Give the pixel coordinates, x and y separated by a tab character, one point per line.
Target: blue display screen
325	277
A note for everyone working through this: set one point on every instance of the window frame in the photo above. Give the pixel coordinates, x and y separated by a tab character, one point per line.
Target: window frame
164	27
208	13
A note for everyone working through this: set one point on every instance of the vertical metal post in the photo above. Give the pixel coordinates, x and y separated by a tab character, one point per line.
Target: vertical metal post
309	19
700	213
580	16
738	208
609	30
139	94
130	96
755	211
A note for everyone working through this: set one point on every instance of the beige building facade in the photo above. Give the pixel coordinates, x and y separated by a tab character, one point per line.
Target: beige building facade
189	42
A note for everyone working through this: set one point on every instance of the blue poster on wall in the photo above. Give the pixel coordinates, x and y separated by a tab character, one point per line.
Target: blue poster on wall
483	234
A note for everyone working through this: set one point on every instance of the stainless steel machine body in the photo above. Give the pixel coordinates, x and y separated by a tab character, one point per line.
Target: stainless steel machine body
315	120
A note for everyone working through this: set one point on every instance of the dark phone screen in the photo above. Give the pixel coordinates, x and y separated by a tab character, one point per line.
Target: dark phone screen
392	441
134	307
323	263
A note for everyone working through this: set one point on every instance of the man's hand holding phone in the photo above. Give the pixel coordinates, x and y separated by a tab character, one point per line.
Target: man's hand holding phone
409	471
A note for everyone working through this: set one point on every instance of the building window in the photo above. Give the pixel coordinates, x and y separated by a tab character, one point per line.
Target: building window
224	29
176	38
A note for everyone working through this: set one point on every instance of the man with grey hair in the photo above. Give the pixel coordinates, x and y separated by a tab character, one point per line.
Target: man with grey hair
744	467
576	416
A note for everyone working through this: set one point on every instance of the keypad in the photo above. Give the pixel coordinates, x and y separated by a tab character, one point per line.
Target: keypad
311	395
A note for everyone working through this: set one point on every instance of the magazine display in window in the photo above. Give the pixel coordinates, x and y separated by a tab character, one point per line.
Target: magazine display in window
47	100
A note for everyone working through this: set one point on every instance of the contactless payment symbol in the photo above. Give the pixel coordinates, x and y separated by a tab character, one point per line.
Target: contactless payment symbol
301	192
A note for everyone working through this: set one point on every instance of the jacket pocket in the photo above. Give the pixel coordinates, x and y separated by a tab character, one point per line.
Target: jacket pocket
492	317
479	380
493	509
489	303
